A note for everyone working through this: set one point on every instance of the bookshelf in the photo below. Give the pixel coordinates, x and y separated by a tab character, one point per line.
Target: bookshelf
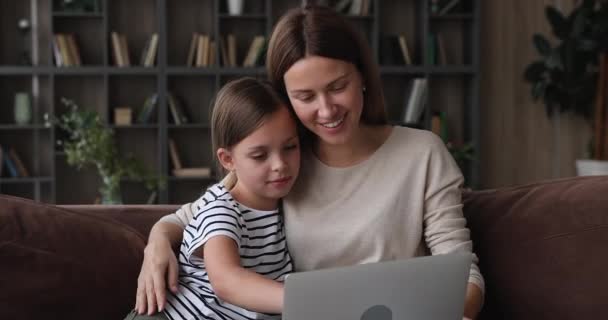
98	84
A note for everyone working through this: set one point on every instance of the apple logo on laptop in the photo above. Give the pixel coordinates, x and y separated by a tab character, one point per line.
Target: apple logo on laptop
378	312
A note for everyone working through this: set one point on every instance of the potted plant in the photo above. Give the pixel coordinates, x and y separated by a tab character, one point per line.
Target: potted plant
89	143
566	77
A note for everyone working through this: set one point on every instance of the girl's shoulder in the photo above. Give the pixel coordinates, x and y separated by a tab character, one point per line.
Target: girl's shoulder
216	198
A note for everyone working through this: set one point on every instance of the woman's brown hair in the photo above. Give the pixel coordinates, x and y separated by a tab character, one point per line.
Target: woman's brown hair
320	31
240	107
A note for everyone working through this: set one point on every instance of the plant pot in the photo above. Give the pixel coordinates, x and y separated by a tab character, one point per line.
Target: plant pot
591	167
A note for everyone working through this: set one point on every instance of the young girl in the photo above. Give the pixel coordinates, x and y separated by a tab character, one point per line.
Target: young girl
233	257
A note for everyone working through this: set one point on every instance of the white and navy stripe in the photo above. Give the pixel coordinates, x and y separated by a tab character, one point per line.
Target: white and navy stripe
261	239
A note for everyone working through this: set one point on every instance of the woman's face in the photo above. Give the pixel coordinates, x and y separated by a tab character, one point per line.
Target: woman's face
327	96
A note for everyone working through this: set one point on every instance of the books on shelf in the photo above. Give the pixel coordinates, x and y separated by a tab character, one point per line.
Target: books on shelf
66	50
180	171
177	110
202	51
416	100
395	50
256	48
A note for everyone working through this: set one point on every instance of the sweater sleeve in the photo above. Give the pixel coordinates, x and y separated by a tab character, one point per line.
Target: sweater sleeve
445	228
182	216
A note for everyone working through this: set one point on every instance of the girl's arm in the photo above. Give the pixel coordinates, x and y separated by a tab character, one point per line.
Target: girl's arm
235	284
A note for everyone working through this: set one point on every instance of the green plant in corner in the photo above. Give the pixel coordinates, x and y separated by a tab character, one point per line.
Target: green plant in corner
90	143
565	76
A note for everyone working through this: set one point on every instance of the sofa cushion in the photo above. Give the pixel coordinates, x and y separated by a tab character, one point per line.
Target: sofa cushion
65	264
542	248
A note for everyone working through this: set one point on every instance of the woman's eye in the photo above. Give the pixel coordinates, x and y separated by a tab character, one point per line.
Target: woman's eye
338	88
305	98
291	147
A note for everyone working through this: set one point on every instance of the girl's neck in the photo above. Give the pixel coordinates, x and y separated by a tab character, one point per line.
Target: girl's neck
252	201
361	146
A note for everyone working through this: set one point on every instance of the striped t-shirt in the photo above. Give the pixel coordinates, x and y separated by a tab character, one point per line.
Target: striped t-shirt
260	236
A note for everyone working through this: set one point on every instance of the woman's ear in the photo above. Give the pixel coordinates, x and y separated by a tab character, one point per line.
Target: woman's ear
225	158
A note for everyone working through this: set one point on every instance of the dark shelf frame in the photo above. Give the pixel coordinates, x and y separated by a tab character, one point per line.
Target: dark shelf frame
164	72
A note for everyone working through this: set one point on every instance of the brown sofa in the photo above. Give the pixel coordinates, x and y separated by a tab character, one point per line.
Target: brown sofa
543	250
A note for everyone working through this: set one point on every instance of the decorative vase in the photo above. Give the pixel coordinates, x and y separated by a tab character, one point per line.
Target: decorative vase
235	7
23	108
591	167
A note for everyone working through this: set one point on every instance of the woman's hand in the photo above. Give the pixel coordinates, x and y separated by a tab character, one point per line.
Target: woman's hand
159	268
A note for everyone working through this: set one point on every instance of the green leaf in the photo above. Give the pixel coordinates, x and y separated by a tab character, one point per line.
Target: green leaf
559	24
535	71
542	45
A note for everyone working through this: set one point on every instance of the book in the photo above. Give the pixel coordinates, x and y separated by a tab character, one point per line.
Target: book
116	50
231	40
192	50
405	51
202	54
177	163
416	101
343	6
194	172
21	170
10	166
57	54
447	7
144	53
255	49
64	49
73	49
151	52
124	49
177	110
146	113
441	56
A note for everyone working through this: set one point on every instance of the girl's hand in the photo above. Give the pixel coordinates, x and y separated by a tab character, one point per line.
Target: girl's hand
159	268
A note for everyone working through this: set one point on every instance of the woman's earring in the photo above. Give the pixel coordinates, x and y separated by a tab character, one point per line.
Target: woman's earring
363	88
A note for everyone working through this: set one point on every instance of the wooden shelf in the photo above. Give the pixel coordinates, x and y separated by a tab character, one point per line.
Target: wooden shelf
101	86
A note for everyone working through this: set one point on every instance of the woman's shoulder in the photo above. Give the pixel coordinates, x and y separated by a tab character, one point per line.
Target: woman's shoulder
412	138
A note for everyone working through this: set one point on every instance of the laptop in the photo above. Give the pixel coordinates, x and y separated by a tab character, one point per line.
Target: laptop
431	287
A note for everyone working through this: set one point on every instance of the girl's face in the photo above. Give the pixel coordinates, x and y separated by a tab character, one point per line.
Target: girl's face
266	162
327	96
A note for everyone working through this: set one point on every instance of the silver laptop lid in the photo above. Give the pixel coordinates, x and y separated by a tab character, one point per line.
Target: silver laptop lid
431	287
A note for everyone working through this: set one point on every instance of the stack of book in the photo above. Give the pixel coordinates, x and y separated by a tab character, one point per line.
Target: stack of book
65	50
189	172
202	51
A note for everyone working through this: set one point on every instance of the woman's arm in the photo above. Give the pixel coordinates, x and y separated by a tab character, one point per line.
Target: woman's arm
159	267
235	284
473	300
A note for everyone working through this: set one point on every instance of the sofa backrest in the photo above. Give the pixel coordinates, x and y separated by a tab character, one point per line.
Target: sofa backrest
543	248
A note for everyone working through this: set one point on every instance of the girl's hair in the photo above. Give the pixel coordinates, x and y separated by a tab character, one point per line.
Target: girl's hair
240	107
320	31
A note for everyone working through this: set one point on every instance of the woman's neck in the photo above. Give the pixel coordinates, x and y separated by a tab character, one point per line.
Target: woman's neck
361	146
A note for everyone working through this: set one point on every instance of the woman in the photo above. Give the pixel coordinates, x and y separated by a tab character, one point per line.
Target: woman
367	191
